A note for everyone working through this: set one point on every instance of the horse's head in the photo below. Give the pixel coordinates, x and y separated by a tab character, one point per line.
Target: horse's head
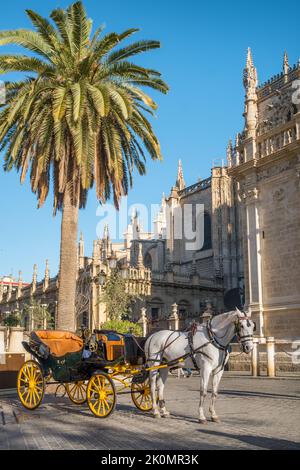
244	329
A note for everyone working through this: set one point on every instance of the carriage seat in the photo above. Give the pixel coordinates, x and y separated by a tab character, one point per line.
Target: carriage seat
134	349
60	342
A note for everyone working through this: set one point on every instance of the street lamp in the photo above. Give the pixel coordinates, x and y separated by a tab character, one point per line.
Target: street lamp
112	260
101	278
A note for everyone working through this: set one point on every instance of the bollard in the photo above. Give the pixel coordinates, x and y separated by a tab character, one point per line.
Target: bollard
143	320
255	358
2	344
174	318
271	356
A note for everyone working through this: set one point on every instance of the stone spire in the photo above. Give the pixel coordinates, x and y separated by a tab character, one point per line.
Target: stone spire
285	63
286	66
81	252
95	250
136	226
250	83
229	153
250	75
140	260
81	246
237	144
34	278
47	275
106	232
106	244
20	285
180	184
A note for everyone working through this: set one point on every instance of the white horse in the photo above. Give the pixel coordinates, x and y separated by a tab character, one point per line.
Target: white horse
205	349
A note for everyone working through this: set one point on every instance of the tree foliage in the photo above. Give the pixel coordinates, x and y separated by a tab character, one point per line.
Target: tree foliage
123	326
39	314
12	319
79	116
116	298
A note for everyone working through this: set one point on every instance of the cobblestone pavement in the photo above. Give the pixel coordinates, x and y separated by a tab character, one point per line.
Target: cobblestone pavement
256	414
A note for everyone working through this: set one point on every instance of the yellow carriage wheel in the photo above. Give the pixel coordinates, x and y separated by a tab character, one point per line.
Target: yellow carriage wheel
77	392
141	395
101	395
31	385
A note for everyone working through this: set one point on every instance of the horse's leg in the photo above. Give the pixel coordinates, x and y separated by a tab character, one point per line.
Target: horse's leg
162	378
153	378
215	386
204	378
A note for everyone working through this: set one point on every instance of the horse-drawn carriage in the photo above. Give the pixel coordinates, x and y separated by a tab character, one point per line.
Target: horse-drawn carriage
95	367
92	368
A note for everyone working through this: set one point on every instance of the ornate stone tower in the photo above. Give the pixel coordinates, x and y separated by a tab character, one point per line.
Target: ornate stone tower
265	166
250	114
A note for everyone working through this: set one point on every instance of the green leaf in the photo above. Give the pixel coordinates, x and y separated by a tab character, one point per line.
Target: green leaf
76	94
59	95
98	100
28	39
133	49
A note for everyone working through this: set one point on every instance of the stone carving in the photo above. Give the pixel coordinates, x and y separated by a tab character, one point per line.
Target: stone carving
249	196
275	170
278	195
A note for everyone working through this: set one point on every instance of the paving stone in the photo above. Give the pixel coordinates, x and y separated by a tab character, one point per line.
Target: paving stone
256	414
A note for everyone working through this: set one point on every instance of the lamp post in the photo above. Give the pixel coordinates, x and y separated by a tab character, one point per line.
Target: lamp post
101	278
112	261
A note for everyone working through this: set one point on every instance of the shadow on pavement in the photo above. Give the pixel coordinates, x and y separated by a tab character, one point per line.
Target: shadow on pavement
267	443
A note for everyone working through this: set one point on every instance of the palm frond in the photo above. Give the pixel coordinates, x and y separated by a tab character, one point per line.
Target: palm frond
133	49
80	115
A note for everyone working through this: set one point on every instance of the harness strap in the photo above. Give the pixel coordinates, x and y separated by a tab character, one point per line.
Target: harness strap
175	361
213	339
192	350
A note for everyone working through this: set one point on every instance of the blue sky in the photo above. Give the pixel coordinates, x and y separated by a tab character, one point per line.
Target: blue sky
202	57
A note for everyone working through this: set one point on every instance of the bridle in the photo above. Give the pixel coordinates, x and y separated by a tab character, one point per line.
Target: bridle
243	338
237	330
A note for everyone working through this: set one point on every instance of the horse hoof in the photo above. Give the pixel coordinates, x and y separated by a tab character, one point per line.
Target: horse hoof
165	415
202	421
215	420
156	415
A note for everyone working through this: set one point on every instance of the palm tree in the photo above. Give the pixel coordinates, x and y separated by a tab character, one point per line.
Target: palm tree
78	119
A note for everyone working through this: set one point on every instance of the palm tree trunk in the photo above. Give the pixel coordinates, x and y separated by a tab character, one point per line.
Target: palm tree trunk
68	265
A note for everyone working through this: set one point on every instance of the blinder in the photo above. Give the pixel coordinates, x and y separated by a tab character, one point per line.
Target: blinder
244	338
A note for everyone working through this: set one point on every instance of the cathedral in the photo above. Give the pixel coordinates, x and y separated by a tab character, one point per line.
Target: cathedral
249	252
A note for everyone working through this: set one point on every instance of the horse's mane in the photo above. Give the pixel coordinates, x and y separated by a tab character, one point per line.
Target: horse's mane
223	319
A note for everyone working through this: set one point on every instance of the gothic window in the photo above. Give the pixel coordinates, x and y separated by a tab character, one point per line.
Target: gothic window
207	232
